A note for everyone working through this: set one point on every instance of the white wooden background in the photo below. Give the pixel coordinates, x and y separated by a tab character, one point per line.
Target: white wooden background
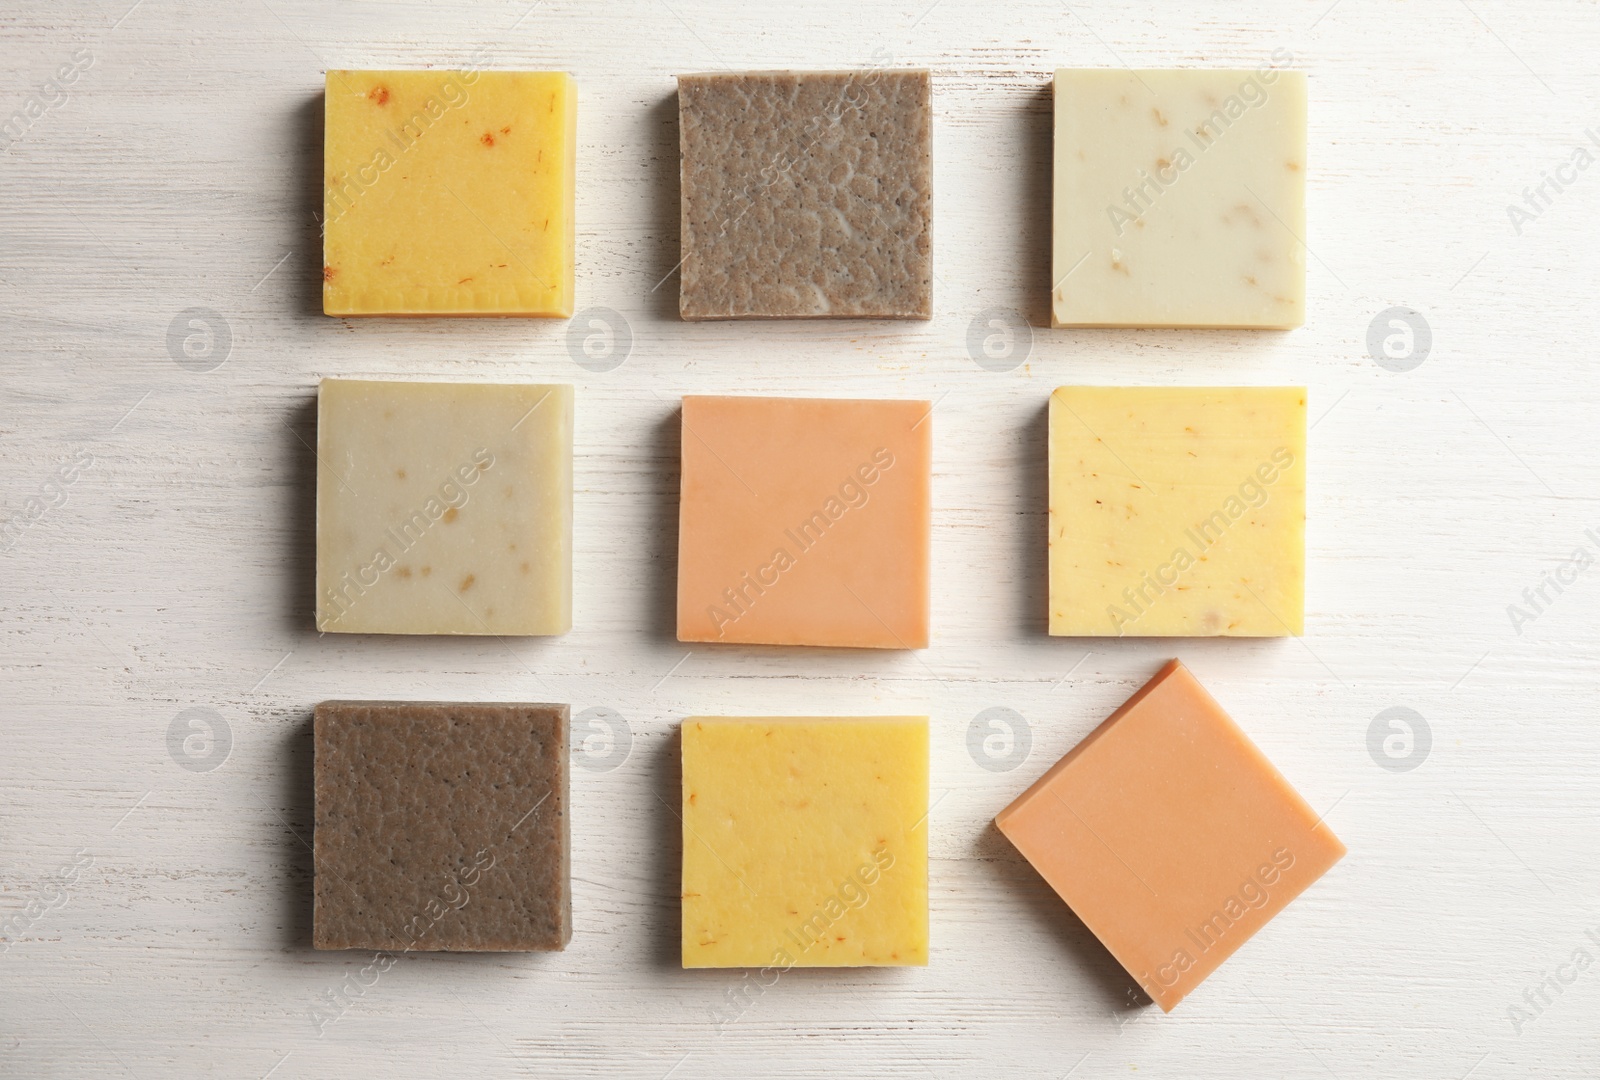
158	915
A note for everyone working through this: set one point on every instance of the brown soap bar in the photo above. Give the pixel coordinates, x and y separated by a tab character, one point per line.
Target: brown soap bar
441	826
806	195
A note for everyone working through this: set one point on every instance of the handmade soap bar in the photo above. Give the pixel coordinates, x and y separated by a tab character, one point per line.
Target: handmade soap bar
804	521
806	194
1177	510
805	842
441	826
1170	835
1180	198
448	193
444	508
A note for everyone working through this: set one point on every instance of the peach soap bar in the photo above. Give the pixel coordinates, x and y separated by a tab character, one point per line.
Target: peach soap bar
804	521
449	193
1170	835
805	842
1180	198
444	508
1177	511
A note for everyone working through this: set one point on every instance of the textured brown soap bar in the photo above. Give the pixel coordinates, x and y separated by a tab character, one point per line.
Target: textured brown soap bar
806	195
441	826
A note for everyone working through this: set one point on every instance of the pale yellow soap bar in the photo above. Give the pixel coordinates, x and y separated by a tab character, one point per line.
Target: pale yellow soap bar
1179	198
449	193
444	508
1177	511
805	842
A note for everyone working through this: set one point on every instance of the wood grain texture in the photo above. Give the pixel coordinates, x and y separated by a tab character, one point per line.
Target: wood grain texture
158	916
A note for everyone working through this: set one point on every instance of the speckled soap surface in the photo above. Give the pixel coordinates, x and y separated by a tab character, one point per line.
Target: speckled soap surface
444	508
449	193
806	195
441	826
1179	198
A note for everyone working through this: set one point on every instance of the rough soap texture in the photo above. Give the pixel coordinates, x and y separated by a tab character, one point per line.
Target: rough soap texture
806	194
441	826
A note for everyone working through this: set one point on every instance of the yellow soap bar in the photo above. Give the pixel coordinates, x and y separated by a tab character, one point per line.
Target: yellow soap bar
1177	511
805	842
449	193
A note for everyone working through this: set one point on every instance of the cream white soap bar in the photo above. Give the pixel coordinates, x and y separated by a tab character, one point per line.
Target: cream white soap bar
444	508
1179	198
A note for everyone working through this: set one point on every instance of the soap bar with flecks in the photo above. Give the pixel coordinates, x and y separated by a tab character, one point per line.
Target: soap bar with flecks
444	508
449	193
1177	511
1180	198
805	842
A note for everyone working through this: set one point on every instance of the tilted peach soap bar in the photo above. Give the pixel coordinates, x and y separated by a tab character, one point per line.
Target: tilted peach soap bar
1170	835
449	193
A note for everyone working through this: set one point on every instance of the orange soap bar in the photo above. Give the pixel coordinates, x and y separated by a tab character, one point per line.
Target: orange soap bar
1170	835
804	521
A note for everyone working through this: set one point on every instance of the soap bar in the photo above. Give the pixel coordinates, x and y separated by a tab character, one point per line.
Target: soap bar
1180	198
1177	511
805	842
444	508
806	195
449	193
804	521
441	826
1170	835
